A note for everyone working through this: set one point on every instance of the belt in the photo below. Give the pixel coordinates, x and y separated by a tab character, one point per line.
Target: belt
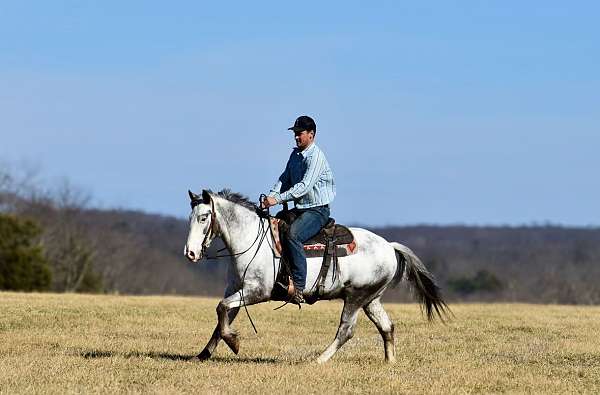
323	206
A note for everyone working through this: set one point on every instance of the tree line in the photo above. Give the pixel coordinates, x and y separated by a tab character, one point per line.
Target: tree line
54	240
538	264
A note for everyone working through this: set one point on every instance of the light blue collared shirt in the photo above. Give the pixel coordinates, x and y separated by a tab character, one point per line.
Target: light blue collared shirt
307	179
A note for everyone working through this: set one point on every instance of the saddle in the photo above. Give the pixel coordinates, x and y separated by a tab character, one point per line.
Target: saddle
332	241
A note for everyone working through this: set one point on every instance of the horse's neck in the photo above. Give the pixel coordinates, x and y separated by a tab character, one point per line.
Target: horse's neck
239	227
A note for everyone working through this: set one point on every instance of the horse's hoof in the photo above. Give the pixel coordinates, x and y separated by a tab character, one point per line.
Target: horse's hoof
233	342
203	356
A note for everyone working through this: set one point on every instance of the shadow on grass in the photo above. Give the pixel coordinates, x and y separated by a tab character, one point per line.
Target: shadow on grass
96	354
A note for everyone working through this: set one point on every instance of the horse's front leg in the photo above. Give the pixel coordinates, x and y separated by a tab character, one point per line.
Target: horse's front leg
232	287
216	337
247	297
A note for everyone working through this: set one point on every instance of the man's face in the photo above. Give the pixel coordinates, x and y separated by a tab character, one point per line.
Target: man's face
304	139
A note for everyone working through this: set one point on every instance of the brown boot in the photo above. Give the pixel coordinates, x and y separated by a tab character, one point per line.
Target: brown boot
297	297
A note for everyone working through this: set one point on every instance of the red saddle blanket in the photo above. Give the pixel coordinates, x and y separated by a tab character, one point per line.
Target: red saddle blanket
315	247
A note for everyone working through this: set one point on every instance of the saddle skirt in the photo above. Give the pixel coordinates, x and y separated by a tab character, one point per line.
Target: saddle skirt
345	244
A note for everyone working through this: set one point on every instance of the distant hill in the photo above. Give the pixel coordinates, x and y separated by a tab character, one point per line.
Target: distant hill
545	264
139	253
142	253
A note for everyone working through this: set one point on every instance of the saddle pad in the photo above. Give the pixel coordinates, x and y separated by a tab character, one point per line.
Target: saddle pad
312	250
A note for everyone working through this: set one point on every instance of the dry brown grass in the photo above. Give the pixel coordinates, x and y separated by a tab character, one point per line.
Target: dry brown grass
77	343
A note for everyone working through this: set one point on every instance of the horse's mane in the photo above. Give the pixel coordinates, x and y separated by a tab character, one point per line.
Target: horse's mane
236	198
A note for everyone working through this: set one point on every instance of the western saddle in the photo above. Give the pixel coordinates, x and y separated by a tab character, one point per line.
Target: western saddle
332	241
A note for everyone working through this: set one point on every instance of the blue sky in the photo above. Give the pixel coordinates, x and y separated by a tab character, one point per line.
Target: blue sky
472	112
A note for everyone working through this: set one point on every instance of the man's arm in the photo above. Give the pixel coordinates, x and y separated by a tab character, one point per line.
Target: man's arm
316	165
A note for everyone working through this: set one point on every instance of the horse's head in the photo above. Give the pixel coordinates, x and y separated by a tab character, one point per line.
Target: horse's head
202	226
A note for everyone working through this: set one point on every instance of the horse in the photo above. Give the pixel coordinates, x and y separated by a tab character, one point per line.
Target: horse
360	280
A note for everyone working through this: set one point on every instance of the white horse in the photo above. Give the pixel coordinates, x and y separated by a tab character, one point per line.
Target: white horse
361	279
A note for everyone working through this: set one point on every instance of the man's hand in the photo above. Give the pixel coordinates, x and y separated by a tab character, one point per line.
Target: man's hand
268	202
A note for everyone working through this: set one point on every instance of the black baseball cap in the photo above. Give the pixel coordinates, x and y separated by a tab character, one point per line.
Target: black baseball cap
304	122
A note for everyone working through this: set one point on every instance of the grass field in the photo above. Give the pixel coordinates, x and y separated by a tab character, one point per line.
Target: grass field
79	343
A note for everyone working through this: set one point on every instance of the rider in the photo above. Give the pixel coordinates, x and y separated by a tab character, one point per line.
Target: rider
307	181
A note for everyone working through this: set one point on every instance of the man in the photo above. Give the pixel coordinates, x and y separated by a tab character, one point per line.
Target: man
307	181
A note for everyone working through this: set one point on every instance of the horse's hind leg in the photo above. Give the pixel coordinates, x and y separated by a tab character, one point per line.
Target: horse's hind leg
216	337
345	330
374	310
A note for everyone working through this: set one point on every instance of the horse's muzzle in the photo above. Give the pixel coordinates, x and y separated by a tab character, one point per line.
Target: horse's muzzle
192	256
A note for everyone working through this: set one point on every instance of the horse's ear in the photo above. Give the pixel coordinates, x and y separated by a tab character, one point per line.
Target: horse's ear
205	196
193	196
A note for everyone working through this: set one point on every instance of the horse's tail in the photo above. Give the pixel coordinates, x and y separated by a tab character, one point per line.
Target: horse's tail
423	283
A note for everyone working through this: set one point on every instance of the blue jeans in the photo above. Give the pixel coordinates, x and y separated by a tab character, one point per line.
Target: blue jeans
308	223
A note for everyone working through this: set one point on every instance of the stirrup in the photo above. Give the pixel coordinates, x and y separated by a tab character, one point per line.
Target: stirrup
295	298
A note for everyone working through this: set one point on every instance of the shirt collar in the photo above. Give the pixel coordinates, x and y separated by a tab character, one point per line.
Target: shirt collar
307	151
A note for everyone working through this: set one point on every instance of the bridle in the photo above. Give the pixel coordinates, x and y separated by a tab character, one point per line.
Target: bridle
212	230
